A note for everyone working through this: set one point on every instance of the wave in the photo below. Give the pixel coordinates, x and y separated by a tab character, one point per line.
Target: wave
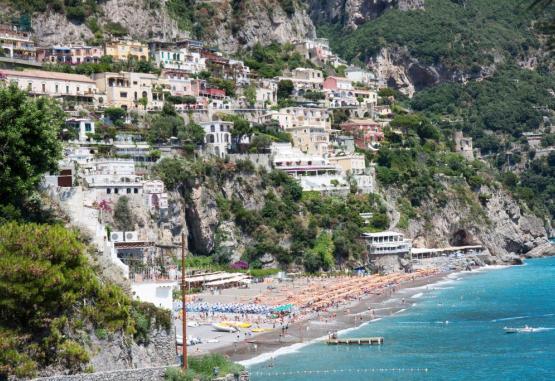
511	318
419	295
296	347
280	352
521	317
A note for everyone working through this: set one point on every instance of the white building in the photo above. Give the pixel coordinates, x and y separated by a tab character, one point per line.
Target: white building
180	59
387	243
113	177
157	198
83	126
266	93
217	137
357	74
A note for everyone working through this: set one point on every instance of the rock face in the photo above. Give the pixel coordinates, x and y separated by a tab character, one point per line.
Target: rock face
235	27
116	354
140	21
399	69
499	224
230	26
210	228
352	13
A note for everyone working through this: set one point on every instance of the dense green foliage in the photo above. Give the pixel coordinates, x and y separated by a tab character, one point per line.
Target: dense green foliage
536	185
106	64
270	61
203	368
45	281
509	103
456	35
75	10
30	146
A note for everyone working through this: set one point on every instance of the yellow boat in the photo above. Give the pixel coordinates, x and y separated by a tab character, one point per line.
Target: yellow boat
239	324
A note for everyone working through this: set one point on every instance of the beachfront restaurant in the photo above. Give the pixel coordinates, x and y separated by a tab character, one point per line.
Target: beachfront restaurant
387	243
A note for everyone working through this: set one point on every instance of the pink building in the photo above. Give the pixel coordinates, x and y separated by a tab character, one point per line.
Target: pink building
338	84
365	132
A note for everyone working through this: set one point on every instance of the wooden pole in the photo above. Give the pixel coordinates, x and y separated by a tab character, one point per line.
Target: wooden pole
184	301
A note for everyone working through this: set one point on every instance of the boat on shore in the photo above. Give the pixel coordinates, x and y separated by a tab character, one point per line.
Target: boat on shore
222	327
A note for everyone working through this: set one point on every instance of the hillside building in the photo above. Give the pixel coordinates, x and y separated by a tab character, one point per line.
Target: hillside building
123	50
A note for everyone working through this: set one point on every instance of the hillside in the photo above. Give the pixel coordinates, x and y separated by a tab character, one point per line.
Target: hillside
445	41
229	25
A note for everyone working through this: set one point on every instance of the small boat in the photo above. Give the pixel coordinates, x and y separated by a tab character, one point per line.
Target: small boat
524	329
222	327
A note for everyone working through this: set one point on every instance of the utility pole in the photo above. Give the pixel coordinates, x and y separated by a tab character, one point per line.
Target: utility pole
184	301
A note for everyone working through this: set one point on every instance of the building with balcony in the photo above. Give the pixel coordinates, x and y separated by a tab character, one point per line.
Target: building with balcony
83	126
112	177
17	45
387	243
217	137
266	93
179	83
366	132
37	82
179	59
304	80
313	172
71	55
123	50
356	74
317	50
126	89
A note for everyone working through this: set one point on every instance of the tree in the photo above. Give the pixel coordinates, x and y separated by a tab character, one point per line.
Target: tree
116	115
192	133
285	89
260	143
123	216
241	128
29	143
143	102
250	94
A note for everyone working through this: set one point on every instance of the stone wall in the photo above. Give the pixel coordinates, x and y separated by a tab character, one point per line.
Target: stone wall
146	374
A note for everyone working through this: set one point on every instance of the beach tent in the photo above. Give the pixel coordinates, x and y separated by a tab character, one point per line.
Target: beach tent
283	308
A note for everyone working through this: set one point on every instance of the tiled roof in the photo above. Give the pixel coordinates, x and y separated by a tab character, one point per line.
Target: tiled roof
47	75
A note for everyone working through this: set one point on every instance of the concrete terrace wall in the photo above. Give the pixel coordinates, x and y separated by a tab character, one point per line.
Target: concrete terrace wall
146	374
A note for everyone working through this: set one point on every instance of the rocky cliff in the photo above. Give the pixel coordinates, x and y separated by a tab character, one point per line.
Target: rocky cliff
490	217
352	13
229	25
241	24
141	20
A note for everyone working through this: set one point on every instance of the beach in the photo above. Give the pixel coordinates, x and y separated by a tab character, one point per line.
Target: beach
306	326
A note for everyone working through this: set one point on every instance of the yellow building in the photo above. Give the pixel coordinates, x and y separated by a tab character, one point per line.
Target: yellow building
122	50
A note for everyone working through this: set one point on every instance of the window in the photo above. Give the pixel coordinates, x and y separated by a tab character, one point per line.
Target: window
212	128
135	190
88	127
56	88
77	89
123	94
108	190
116	190
44	88
67	89
128	190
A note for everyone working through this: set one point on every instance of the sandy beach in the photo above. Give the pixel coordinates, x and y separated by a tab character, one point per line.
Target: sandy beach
305	327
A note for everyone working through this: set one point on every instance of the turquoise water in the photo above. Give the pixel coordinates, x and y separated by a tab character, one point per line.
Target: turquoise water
472	346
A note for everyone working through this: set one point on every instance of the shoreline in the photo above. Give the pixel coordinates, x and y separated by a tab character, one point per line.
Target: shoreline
351	316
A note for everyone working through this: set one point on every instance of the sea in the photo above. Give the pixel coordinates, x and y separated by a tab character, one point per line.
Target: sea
453	331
